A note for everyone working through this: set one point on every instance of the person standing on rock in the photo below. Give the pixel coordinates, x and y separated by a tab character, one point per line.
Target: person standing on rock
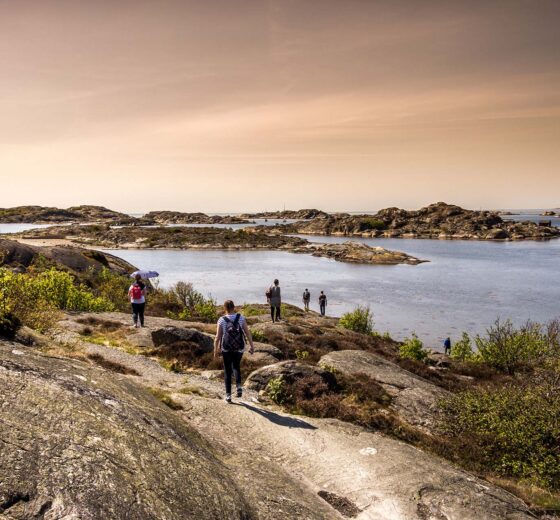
306	299
447	346
230	342
322	303
137	296
275	300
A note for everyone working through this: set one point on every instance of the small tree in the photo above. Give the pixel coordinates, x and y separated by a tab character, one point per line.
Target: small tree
508	349
413	348
359	320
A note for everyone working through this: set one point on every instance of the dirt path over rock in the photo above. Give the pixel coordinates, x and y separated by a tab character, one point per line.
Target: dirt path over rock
294	467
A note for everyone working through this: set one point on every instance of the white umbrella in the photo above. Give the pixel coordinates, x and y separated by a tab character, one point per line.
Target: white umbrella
144	274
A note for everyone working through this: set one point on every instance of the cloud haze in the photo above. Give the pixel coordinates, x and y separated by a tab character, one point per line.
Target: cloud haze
238	105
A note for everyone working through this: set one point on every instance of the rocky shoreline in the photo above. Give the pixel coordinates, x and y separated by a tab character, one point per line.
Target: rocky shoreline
107	237
76	260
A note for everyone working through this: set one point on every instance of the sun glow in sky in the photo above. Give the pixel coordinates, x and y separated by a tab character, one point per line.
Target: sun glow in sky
238	105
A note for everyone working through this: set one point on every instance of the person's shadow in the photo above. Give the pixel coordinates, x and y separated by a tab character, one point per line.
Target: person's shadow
290	422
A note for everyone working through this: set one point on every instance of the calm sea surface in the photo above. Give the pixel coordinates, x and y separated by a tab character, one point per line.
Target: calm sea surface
465	286
17	228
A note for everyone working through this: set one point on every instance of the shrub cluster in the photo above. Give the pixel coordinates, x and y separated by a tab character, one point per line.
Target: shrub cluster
110	286
509	349
513	429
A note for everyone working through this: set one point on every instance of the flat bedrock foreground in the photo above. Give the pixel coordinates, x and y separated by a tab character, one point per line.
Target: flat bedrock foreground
82	442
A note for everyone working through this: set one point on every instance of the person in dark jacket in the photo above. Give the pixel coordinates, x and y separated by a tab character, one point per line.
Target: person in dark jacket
447	345
306	299
275	300
322	303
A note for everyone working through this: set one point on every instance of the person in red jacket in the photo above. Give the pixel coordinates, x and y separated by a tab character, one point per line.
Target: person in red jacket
137	297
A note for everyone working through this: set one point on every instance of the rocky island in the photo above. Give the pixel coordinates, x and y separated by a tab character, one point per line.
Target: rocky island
49	215
301	214
437	221
177	217
100	214
108	237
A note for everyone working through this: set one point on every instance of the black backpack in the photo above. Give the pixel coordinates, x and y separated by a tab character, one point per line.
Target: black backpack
233	339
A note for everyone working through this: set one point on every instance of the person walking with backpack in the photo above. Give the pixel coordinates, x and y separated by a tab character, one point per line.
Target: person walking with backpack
322	303
137	297
275	300
230	342
306	299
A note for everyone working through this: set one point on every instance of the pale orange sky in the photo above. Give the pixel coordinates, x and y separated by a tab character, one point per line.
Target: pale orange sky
238	105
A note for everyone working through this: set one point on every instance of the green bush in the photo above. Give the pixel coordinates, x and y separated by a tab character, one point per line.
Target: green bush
462	350
35	298
276	390
60	289
509	349
206	310
184	302
413	348
359	320
514	430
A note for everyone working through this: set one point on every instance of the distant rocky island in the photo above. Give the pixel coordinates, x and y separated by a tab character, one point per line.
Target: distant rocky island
437	221
48	215
90	214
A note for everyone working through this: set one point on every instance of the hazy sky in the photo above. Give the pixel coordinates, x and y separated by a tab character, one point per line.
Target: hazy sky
238	105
